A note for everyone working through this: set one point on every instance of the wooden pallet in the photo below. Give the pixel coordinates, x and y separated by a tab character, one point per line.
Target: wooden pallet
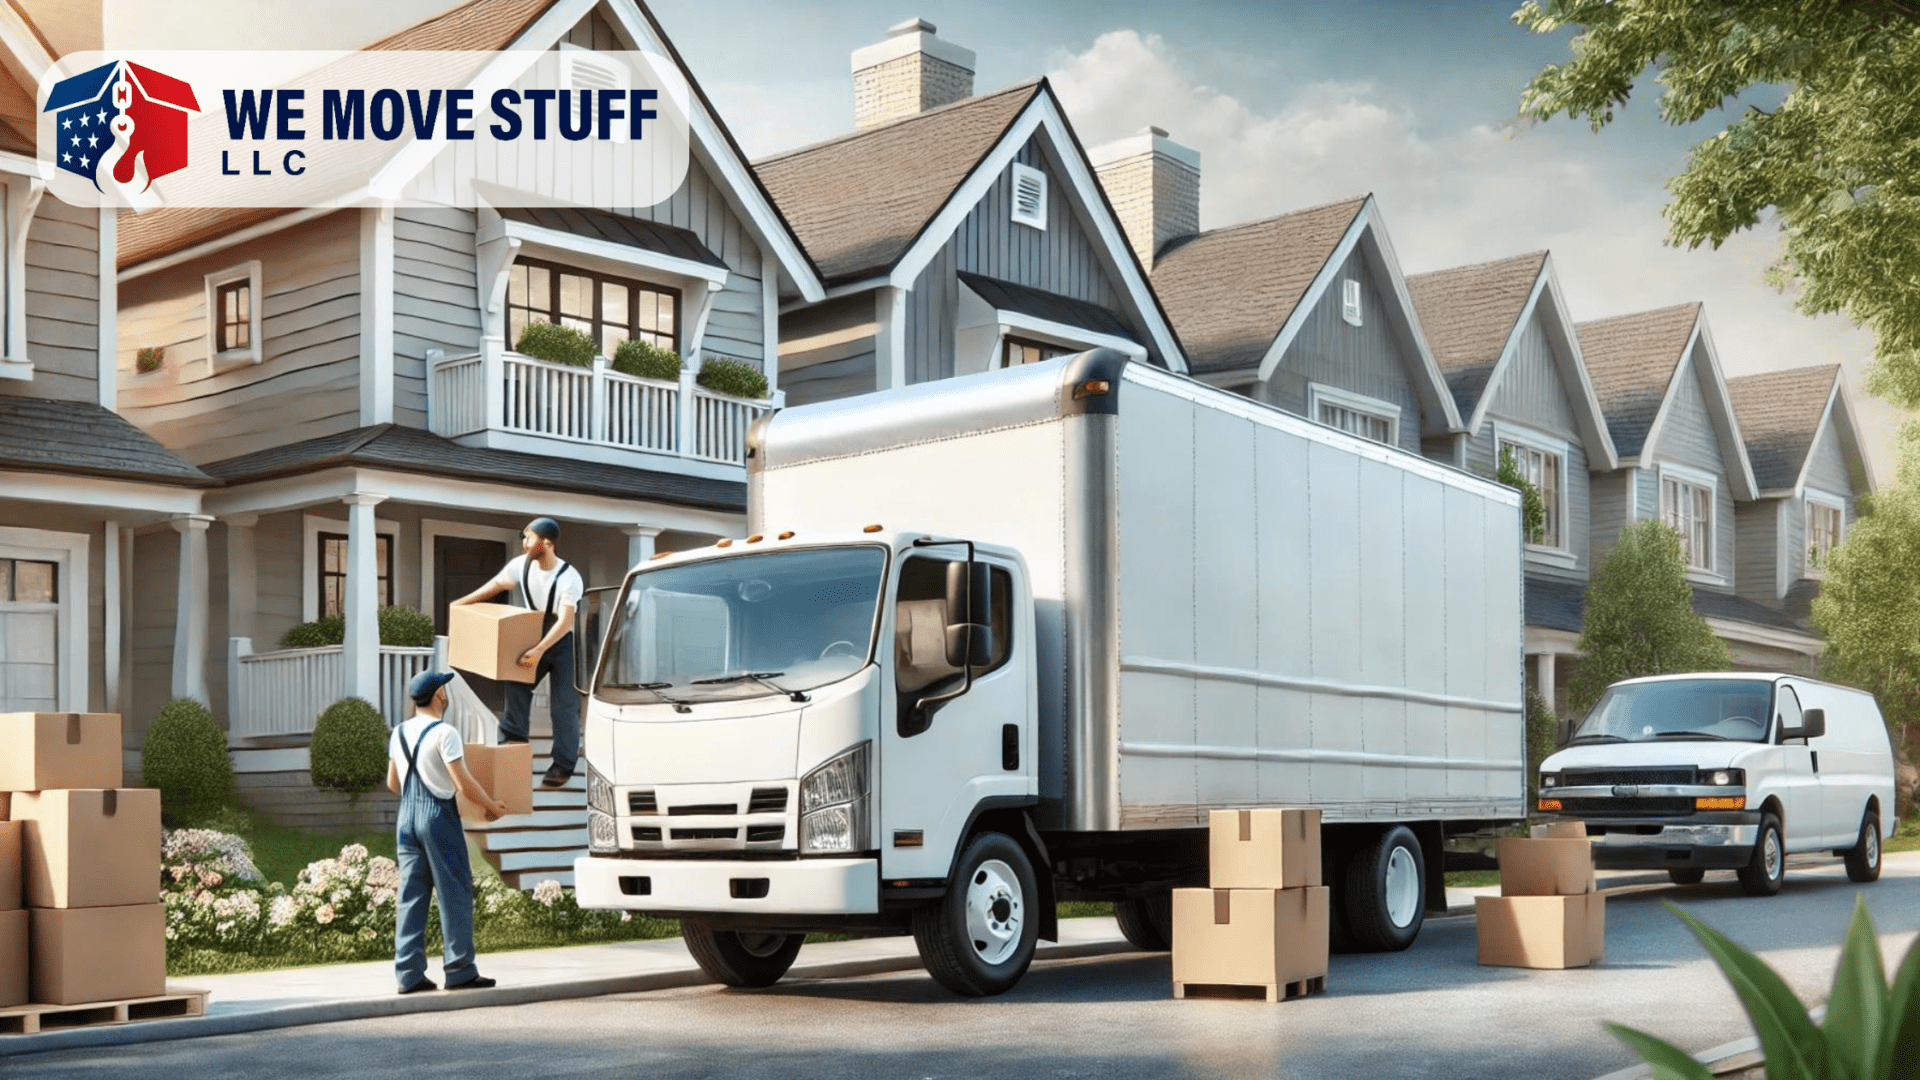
1252	991
33	1019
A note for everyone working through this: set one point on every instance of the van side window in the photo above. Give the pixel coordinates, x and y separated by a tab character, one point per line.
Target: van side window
1786	708
920	620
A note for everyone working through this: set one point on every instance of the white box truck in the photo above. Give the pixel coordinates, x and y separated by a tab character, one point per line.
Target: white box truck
1004	640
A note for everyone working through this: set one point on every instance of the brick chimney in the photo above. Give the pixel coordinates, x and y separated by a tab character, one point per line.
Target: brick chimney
1154	185
910	72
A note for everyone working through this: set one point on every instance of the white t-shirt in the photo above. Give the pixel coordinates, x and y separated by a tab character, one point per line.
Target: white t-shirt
539	582
441	747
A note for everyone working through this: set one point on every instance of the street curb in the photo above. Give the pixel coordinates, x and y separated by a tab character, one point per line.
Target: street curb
324	1012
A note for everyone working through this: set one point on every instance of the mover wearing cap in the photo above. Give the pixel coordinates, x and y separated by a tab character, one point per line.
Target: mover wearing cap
539	579
425	768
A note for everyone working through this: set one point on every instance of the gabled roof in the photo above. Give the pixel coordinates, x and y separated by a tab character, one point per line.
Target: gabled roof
1782	415
83	439
1631	359
1469	314
475	26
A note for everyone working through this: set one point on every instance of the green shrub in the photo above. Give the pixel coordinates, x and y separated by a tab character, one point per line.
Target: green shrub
736	377
325	630
400	627
185	757
560	344
150	359
645	360
349	750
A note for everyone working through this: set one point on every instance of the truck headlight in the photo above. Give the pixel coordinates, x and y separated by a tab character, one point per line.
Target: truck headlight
833	803
836	828
600	834
1725	777
599	792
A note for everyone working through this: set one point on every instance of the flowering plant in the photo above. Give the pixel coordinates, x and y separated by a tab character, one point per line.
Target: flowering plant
340	908
213	893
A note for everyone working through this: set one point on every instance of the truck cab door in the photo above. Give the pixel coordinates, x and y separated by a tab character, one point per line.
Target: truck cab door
937	763
1804	825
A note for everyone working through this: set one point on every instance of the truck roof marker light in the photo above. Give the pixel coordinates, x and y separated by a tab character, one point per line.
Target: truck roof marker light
1550	804
728	542
871	528
755	538
1092	388
660	556
788	535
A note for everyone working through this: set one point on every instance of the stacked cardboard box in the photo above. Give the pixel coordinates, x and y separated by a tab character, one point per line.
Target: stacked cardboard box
89	864
1263	921
488	639
1549	913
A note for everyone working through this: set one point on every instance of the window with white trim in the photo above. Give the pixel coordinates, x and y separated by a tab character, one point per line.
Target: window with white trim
607	309
233	316
1541	468
1826	526
1018	350
1350	301
1688	507
332	580
1029	196
1356	414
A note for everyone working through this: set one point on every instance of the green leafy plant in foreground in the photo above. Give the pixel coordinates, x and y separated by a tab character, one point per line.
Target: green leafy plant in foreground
1872	1030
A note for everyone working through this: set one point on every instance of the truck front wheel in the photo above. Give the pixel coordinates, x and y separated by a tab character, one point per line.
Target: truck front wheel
1386	891
1146	921
978	939
740	957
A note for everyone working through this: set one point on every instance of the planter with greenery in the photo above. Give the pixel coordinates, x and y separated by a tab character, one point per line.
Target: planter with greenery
734	377
349	749
150	359
645	360
185	757
558	344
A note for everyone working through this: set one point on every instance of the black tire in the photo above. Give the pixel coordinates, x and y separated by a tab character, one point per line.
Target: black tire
1333	872
740	958
1384	916
1863	858
1687	875
978	939
1147	921
1767	869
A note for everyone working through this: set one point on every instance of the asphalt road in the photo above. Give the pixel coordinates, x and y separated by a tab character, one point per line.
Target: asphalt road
1428	1012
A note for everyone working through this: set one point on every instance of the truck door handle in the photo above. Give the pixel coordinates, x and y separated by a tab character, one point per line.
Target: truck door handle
1010	747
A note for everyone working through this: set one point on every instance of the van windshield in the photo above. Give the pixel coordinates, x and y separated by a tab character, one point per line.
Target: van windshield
1735	710
743	626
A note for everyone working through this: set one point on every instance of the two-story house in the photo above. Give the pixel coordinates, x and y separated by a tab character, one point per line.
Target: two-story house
954	233
1502	335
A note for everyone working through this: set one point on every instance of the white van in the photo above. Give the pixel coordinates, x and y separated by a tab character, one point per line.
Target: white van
1727	771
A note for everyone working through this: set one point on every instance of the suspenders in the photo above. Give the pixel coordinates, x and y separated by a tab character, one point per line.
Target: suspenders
413	756
553	587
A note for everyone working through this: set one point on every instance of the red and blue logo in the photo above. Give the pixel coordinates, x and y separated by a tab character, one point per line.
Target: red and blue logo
122	119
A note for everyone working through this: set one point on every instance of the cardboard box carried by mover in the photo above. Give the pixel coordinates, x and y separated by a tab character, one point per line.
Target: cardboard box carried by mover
1560	866
59	750
1541	931
80	955
507	774
1263	849
1249	937
13	958
90	848
487	639
12	863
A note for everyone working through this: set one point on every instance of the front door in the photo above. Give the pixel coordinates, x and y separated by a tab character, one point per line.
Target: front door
29	636
462	564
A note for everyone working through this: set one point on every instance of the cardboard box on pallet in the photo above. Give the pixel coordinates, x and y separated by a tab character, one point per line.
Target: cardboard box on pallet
507	774
1249	937
12	860
81	955
90	848
487	639
1549	866
13	958
1263	849
59	750
1541	931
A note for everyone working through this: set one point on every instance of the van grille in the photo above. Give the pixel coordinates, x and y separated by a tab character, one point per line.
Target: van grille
1608	777
1628	807
706	834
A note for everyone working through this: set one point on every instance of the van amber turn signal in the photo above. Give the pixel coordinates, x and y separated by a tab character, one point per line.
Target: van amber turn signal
1733	802
1550	804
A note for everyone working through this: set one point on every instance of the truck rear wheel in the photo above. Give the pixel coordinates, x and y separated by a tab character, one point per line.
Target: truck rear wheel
740	957
1147	921
978	940
1386	891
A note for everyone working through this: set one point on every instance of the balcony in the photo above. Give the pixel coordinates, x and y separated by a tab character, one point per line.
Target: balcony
510	401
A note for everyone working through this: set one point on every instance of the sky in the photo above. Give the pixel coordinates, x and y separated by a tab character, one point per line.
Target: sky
1290	103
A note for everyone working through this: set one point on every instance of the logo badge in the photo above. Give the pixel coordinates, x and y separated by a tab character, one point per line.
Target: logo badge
121	126
1626	791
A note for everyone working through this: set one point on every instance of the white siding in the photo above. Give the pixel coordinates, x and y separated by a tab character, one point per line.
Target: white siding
63	301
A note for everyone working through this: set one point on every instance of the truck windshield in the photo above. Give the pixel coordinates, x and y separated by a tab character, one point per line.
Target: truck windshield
743	626
1728	709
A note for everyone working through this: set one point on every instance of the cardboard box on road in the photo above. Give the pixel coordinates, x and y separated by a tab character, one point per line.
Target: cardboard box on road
59	750
1263	849
1541	931
507	774
13	958
12	861
1249	937
487	639
90	848
1545	867
79	955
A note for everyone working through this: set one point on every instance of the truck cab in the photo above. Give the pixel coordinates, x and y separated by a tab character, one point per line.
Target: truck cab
1733	771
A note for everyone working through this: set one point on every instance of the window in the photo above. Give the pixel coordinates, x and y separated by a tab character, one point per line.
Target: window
1029	196
233	316
233	308
1350	301
608	309
1542	469
1357	414
333	572
1788	714
1689	509
24	581
1016	351
920	621
1825	524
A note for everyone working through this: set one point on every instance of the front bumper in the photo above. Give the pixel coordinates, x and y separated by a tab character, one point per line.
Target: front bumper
729	886
1716	841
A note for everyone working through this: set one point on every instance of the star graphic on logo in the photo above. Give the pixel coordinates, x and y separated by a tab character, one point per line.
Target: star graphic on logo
66	156
67	123
93	140
103	116
76	140
83	119
83	161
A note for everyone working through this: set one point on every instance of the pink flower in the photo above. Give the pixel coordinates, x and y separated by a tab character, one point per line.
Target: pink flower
323	914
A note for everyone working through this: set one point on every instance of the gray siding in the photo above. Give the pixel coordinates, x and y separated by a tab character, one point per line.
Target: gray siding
1827	468
156	581
1366	359
1756	549
735	328
308	381
63	303
830	381
1607	499
1688	437
838	372
434	302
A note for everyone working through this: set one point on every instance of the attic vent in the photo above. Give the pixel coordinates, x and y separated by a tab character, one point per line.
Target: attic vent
1029	196
1350	301
583	70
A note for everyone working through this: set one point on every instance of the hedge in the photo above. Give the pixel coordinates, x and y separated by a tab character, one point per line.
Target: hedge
185	757
400	627
560	344
735	377
645	360
349	748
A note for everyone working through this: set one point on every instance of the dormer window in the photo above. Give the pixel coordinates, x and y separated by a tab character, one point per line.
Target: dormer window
1029	196
233	316
608	309
1826	524
1687	505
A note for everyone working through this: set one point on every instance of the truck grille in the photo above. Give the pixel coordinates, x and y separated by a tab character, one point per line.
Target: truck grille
1599	777
706	834
757	819
641	802
1628	807
760	834
767	800
725	809
648	833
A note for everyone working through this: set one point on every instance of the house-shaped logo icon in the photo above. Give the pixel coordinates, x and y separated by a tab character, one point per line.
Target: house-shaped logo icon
121	119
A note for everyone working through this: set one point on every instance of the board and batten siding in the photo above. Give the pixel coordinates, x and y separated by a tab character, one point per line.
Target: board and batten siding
1607	501
435	305
1827	469
1757	548
1688	436
735	328
1366	359
307	383
63	303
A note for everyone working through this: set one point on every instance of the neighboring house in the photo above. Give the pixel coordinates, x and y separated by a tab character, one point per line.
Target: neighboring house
1804	441
955	234
1502	336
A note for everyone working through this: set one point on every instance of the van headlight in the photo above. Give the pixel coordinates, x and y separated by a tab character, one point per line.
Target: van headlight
833	803
599	791
1549	779
1724	777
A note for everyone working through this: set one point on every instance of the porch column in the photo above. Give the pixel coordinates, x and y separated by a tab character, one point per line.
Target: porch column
190	609
242	577
110	589
360	652
890	343
1543	678
640	543
770	319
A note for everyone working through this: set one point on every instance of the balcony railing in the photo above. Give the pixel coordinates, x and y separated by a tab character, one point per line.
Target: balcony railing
595	405
283	692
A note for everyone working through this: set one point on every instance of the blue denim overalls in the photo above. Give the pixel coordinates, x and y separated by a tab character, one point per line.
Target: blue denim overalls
556	667
432	849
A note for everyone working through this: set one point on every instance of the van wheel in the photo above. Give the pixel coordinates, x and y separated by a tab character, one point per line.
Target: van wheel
978	939
1767	869
1387	891
1863	858
1686	875
740	957
1147	921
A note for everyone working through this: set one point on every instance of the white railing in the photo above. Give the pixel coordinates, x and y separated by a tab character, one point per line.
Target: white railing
547	399
720	426
283	692
457	392
642	413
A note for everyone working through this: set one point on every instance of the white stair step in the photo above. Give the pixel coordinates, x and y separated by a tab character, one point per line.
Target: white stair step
539	860
540	819
546	798
528	879
538	839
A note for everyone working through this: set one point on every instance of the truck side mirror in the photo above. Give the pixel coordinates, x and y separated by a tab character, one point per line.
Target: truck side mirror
962	637
969	600
589	627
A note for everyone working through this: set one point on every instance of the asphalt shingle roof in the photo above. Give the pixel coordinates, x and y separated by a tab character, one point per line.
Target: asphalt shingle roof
1715	605
1006	296
614	228
1631	359
1229	291
84	439
1468	313
1779	413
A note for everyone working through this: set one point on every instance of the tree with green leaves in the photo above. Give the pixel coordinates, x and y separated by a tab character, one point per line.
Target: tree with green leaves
1640	618
1837	163
1869	605
1533	505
